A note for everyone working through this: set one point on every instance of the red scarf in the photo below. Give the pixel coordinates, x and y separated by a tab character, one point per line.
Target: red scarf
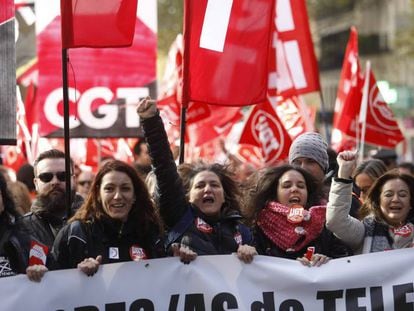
287	235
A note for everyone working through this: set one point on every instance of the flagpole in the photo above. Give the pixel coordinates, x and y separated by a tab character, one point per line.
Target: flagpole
68	172
183	116
363	110
185	86
323	114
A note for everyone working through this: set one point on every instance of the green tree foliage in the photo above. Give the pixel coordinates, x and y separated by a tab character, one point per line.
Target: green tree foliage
405	37
170	21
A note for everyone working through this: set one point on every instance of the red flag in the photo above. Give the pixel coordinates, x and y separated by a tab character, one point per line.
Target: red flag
295	69
296	117
218	124
264	129
349	75
227	45
98	23
381	126
349	93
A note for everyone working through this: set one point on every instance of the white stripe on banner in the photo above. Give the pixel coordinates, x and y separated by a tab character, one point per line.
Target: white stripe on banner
380	281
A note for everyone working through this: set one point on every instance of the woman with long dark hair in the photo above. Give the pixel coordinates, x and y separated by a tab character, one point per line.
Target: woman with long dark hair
14	244
116	223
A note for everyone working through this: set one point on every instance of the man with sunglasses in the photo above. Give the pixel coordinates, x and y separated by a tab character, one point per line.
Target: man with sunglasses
48	212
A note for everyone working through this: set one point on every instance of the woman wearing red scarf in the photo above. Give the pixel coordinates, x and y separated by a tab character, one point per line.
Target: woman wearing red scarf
289	217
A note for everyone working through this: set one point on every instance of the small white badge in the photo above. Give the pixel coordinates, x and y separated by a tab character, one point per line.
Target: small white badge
113	253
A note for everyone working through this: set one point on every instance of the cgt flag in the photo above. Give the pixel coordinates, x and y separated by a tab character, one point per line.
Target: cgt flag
263	129
98	23
226	51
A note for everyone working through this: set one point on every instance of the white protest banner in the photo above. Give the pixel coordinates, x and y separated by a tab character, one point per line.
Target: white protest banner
378	281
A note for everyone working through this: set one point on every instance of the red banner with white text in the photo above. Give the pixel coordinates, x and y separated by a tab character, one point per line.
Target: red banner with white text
104	84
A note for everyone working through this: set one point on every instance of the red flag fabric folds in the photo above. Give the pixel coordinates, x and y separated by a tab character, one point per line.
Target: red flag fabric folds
294	65
381	126
350	74
98	23
227	44
349	94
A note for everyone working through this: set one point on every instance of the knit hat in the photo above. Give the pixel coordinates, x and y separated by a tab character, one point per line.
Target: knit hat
310	145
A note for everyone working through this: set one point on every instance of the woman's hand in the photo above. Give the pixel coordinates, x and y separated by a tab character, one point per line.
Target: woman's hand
147	108
246	253
90	265
184	252
347	163
316	261
35	273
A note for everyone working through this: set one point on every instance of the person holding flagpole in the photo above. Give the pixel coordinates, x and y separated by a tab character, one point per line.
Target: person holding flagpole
200	209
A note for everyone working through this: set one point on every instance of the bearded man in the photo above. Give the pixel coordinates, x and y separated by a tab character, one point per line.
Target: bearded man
48	212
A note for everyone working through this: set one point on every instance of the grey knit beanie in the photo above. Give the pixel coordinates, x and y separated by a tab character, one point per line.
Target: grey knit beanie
310	145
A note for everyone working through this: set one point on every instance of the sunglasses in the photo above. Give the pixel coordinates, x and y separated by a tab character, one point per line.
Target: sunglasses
84	182
46	177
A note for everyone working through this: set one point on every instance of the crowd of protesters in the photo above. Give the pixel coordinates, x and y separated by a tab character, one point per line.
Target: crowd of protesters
317	207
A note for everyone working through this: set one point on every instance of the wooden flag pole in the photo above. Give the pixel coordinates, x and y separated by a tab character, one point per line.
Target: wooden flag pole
68	169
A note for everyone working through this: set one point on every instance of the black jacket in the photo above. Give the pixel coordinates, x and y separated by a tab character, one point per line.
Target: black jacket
14	249
202	234
44	227
113	240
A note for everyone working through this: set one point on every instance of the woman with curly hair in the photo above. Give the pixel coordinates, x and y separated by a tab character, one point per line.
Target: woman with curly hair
289	218
201	208
116	223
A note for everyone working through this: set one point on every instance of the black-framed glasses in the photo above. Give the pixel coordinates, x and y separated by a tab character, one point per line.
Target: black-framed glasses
46	177
84	182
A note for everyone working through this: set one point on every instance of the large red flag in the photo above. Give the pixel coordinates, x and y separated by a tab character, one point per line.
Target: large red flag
227	46
294	66
98	23
264	130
